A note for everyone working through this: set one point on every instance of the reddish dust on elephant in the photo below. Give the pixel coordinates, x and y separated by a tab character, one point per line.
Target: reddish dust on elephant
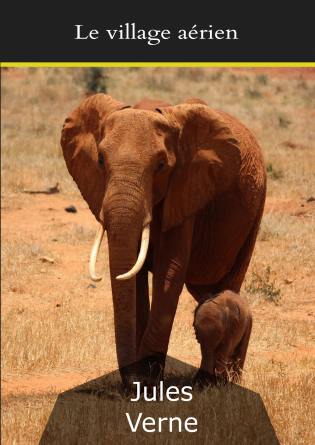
180	191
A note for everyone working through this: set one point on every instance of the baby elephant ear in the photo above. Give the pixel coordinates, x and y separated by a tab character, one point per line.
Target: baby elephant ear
207	161
81	134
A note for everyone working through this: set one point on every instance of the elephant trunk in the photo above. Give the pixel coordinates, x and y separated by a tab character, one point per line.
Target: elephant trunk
122	257
126	220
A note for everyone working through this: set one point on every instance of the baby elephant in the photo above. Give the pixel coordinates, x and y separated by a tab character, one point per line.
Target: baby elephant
223	325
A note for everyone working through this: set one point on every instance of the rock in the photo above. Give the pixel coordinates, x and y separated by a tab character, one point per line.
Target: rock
311	199
71	209
47	191
92	286
47	259
293	145
298	213
52	190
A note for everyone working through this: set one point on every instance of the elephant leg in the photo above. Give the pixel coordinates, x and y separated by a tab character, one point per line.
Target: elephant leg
241	350
233	280
209	332
206	375
207	361
223	365
214	368
169	269
143	304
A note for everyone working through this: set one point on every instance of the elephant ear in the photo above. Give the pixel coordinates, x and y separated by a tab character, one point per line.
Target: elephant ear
82	132
207	161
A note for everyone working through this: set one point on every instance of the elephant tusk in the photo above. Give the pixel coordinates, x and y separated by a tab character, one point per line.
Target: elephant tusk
94	252
141	257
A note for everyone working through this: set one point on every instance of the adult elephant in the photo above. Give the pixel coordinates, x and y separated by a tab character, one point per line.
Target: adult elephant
182	185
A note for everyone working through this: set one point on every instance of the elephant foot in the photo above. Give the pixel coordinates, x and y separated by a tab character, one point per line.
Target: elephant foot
204	379
146	373
150	369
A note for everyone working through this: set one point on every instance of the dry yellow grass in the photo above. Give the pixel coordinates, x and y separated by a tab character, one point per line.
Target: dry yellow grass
24	417
53	322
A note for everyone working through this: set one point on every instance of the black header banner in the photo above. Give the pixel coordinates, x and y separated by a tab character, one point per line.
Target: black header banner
162	31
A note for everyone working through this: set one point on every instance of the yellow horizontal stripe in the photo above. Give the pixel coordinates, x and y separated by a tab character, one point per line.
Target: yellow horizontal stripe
157	64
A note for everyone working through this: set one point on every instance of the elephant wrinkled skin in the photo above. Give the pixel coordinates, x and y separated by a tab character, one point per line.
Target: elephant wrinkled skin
223	324
189	181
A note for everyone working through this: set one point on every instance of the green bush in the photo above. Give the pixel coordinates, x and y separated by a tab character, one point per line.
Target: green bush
284	122
95	80
252	93
260	284
273	174
262	79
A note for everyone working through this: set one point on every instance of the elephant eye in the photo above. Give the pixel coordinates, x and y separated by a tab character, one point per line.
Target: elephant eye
100	160
160	166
